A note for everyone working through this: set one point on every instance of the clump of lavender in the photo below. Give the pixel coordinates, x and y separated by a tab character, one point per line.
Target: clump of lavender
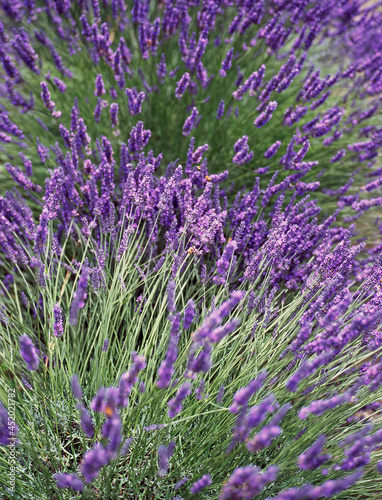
252	319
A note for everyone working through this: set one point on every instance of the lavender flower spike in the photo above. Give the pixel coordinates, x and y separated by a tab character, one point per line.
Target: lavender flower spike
201	483
182	85
99	86
266	115
79	297
190	121
93	461
189	314
226	63
29	352
58	326
50	105
72	481
76	388
164	455
220	111
175	403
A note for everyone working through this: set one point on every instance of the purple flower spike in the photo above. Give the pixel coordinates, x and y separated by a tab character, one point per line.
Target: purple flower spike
338	156
220	111
264	438
60	84
166	368
135	100
182	482
128	379
175	404
189	314
98	402
58	326
112	430
105	345
243	154
190	122
114	114
99	86
272	150
182	85
29	352
266	115
93	461
72	481
138	138
164	455
79	297
86	421
76	388
171	296
312	458
226	63
45	96
243	395
247	482
201	483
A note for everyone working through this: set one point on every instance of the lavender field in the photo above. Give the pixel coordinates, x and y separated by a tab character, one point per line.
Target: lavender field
190	249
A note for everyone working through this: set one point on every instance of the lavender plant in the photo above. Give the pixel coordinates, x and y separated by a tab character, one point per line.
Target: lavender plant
167	336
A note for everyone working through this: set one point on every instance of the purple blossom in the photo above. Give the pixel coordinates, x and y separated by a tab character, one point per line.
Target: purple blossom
60	84
86	421
189	314
265	115
243	154
29	352
58	325
272	150
130	378
48	103
243	395
99	86
220	111
171	296
226	63
182	85
93	461
166	368
247	482
313	458
180	483
201	483
21	179
164	455
76	388
135	100
79	297
217	316
72	481
114	114
190	122
138	138
176	404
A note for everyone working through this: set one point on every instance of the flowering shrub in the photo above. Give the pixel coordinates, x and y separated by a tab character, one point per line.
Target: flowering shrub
167	335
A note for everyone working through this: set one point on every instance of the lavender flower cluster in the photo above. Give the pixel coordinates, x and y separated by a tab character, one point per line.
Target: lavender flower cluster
145	185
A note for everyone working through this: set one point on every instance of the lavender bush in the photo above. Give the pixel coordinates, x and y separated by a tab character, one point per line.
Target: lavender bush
182	316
